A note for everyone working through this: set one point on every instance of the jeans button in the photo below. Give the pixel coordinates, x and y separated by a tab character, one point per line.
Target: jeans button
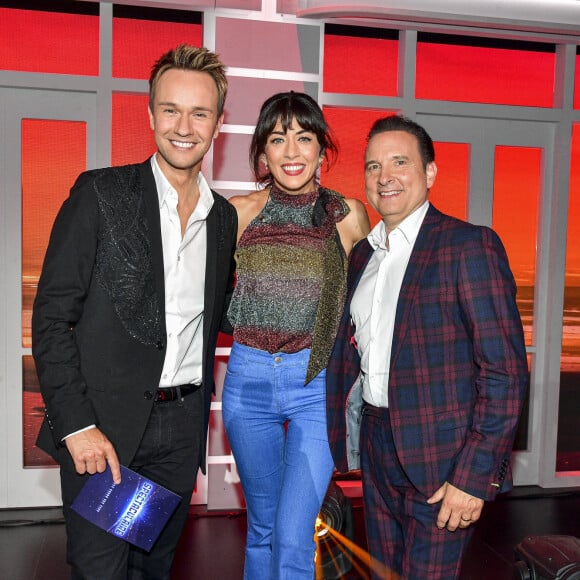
278	359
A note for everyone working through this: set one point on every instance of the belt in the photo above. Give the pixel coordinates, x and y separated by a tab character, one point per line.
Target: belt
378	412
174	393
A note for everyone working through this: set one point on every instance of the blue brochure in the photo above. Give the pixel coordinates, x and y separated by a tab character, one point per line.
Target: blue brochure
136	510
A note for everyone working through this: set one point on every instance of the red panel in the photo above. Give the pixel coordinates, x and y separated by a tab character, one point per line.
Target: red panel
517	185
484	75
131	136
49	42
137	44
53	155
577	84
516	194
449	193
351	127
573	246
568	457
351	65
571	337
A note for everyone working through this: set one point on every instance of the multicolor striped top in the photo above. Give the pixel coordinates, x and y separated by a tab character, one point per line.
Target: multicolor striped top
291	272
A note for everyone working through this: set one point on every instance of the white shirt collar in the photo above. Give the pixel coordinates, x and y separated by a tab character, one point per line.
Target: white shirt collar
165	189
409	228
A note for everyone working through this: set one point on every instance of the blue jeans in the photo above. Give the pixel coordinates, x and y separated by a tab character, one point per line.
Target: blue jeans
277	430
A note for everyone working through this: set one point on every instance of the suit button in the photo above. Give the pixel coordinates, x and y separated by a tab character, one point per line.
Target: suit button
159	345
148	395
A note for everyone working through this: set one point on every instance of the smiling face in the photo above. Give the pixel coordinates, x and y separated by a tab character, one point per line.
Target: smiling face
396	182
184	120
292	157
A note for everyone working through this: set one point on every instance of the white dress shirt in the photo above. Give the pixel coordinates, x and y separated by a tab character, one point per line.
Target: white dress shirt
184	261
374	303
184	265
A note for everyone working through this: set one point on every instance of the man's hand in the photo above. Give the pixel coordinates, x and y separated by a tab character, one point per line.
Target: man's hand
458	509
91	451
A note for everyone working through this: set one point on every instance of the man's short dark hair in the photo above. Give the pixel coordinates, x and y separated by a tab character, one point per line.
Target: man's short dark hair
400	123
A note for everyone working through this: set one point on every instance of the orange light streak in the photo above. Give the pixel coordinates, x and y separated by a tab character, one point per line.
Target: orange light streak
348	547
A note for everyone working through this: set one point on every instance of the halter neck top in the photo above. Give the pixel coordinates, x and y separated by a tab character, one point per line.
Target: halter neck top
290	273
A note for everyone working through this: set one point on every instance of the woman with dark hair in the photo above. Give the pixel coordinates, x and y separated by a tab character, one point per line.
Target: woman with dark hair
294	237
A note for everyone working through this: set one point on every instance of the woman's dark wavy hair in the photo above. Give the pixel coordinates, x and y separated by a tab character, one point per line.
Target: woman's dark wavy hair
286	107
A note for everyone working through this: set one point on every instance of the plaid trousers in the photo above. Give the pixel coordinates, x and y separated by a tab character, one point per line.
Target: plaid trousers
403	539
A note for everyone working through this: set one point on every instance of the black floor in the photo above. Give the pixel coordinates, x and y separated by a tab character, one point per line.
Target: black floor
32	541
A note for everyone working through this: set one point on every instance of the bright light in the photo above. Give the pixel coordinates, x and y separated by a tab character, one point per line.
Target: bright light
320	527
336	553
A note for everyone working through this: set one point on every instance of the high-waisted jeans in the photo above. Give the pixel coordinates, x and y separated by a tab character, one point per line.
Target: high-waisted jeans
277	431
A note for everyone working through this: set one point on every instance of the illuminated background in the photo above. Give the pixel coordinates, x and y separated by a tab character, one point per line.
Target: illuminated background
356	61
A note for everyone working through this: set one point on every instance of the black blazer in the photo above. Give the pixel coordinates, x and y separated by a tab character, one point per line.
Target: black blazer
98	324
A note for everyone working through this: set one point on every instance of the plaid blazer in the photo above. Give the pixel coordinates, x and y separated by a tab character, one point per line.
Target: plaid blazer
458	370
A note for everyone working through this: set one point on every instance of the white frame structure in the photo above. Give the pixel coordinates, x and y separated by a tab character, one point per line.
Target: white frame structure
533	467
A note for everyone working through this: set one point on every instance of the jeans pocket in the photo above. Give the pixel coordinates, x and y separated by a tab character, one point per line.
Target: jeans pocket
237	363
234	369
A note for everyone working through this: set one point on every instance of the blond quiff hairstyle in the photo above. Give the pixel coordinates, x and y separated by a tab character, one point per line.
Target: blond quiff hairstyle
187	57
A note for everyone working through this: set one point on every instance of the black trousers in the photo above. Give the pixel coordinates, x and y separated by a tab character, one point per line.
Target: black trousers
169	455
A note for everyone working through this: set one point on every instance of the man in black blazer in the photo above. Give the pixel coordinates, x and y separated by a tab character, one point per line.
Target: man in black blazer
130	301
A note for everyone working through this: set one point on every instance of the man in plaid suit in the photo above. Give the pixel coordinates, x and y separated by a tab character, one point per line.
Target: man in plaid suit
429	366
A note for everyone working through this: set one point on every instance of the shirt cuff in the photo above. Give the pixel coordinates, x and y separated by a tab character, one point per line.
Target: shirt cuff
79	431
